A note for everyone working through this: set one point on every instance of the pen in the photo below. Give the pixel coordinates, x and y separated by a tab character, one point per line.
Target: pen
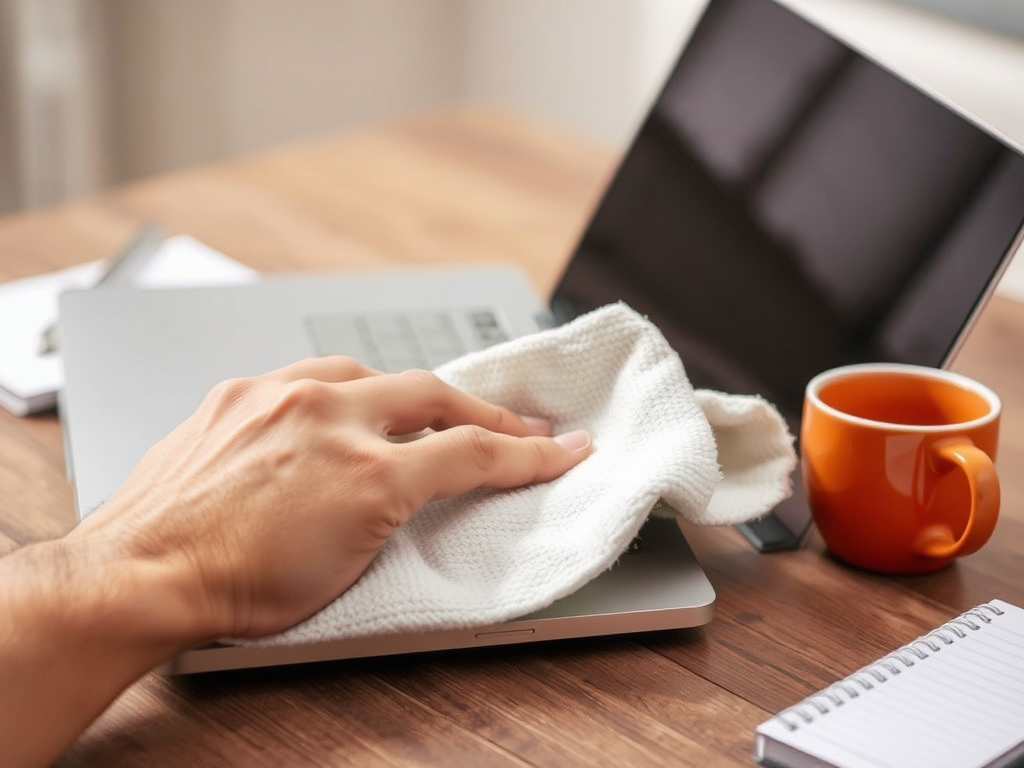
143	243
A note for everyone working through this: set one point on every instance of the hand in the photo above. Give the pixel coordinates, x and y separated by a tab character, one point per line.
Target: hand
263	506
276	494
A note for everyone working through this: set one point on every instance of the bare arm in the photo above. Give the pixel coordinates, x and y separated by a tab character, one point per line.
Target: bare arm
262	507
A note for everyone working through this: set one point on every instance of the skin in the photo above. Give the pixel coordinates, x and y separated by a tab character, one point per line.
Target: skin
262	507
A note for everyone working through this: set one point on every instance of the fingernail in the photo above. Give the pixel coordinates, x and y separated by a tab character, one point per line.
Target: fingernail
577	440
537	423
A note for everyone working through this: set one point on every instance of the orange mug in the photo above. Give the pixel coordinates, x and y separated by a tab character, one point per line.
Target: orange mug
898	462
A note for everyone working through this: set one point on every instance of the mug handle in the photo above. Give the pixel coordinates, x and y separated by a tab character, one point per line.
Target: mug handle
978	468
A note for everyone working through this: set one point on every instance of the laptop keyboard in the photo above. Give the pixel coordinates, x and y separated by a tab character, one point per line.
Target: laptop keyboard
392	341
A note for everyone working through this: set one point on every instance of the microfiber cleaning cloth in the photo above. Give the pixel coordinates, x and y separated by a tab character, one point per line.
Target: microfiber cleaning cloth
491	556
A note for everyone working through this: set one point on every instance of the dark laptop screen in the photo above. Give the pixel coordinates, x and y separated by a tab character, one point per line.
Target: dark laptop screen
789	205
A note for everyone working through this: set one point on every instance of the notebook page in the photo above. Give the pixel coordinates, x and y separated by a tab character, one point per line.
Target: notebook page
960	706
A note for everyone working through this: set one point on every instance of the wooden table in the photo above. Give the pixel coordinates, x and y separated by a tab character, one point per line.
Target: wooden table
457	187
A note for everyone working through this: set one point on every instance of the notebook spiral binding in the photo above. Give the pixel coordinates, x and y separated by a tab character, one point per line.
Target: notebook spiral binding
887	667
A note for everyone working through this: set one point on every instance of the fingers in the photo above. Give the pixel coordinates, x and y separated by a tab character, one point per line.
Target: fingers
460	459
414	400
330	368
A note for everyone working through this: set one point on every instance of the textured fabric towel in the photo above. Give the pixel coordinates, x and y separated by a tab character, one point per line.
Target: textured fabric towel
491	556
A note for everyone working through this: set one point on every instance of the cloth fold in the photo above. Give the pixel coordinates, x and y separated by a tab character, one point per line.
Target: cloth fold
491	556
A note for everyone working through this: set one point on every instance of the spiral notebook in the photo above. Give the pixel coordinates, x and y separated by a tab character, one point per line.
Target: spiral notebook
952	698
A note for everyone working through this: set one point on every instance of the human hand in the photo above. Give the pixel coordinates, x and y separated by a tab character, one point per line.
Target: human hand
274	497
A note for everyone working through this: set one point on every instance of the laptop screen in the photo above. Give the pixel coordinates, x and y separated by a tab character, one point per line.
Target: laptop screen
789	205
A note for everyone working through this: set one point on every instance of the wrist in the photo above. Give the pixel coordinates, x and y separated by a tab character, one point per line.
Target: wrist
79	625
90	590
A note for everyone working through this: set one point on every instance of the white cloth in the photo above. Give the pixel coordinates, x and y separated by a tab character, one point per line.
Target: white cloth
491	556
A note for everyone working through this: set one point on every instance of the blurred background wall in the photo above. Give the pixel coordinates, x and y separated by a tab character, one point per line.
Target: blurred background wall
94	92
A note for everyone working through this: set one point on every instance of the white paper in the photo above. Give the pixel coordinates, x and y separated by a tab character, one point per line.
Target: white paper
955	701
28	380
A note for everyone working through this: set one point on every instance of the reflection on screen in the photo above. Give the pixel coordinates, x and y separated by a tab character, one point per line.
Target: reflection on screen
789	206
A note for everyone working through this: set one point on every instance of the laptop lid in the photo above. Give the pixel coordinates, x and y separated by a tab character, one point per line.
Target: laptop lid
789	205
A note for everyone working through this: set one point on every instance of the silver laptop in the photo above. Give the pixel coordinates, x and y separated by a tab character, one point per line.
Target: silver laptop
787	206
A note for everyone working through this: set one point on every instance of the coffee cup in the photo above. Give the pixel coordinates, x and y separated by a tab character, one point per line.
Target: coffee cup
898	463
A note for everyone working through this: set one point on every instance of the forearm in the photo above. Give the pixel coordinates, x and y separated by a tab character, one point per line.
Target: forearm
78	624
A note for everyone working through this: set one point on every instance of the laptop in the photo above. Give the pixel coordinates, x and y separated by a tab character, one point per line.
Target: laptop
787	205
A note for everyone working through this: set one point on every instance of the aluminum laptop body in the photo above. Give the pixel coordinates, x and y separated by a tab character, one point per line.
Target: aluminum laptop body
788	205
183	342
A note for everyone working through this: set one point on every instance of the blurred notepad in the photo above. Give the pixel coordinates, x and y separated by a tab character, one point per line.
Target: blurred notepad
953	698
29	381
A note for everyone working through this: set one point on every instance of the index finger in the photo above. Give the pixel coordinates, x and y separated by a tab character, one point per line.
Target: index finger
450	463
407	402
329	368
